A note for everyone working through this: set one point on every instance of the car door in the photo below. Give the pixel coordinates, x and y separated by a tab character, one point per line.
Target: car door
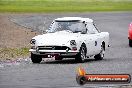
95	43
86	38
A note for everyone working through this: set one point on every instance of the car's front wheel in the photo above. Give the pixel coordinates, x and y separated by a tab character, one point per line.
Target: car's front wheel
36	58
130	42
100	56
81	56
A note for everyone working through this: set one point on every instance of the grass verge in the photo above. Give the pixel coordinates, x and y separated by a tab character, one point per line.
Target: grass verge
64	5
13	53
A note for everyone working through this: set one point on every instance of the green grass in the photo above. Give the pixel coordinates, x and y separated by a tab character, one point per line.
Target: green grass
64	5
13	53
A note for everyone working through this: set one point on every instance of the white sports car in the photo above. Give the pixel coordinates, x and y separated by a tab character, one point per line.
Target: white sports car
67	37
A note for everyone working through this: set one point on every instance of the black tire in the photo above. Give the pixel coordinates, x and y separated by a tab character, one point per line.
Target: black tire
36	58
81	56
130	42
100	56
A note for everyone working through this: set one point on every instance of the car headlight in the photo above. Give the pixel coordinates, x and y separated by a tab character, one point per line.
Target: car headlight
73	43
33	41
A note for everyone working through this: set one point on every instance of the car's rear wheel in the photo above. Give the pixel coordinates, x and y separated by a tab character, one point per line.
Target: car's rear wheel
100	56
130	42
81	56
36	58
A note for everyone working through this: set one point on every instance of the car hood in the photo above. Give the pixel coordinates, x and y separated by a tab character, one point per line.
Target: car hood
61	38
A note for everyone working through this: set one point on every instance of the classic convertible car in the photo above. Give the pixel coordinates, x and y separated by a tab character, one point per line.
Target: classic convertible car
70	37
130	35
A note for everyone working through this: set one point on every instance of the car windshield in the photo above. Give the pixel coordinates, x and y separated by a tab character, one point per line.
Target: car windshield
74	27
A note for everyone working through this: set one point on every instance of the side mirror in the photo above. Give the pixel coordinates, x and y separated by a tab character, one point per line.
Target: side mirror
45	31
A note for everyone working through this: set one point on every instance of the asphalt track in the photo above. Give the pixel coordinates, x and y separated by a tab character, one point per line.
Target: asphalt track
62	74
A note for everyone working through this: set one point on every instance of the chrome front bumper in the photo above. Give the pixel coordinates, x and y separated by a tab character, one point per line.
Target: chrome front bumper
60	52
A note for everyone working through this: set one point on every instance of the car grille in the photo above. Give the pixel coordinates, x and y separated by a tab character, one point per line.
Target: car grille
53	48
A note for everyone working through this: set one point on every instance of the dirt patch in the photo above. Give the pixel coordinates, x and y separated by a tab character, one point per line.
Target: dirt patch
12	35
14	39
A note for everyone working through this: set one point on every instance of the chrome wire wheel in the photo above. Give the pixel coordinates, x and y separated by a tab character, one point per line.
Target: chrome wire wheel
83	53
102	52
100	56
81	56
